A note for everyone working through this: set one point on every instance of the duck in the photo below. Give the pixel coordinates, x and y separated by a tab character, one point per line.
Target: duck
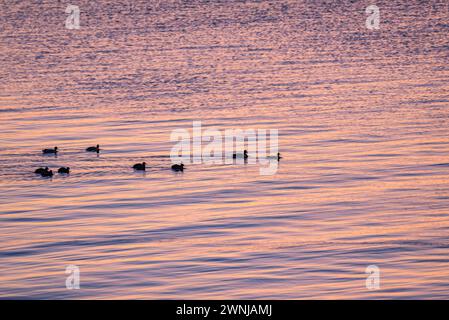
245	155
50	151
64	170
40	170
94	149
178	167
48	173
140	166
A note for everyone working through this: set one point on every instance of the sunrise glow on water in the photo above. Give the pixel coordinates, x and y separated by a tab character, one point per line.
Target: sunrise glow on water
362	117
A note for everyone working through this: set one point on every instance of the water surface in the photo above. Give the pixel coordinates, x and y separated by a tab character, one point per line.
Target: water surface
363	127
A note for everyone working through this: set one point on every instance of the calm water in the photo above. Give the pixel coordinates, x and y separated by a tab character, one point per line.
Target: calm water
363	127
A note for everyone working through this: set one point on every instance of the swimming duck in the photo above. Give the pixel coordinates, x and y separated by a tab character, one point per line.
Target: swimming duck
40	170
48	173
94	149
64	170
139	166
50	151
177	167
245	155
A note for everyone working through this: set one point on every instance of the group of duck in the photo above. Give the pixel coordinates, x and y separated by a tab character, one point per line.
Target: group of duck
46	172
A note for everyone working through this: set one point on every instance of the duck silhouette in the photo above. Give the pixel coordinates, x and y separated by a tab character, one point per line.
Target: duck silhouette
50	151
64	170
94	149
140	166
244	155
40	170
178	167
